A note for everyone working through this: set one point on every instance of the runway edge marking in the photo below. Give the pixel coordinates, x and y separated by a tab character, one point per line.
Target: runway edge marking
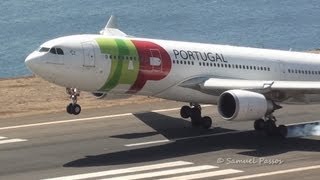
84	119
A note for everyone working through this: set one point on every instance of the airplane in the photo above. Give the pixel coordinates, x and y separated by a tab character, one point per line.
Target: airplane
245	83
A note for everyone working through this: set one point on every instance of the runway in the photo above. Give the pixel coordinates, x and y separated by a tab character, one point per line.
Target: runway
151	141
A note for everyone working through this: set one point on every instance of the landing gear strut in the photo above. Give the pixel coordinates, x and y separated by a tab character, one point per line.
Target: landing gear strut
73	108
194	112
268	125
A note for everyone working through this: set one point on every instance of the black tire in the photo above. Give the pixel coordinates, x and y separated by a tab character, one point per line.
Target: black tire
270	128
185	112
195	122
206	122
195	113
76	109
259	124
70	108
283	130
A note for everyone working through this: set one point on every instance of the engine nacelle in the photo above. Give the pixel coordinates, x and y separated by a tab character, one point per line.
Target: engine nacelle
243	105
99	95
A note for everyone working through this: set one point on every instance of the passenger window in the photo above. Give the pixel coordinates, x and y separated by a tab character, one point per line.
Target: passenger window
59	51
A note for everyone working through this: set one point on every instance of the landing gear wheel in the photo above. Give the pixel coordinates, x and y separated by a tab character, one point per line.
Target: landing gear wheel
195	122
70	108
283	130
270	128
76	109
259	124
185	112
195	113
73	108
206	122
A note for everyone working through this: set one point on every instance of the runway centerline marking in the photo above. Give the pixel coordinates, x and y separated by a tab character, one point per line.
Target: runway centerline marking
147	143
180	139
274	173
7	141
84	119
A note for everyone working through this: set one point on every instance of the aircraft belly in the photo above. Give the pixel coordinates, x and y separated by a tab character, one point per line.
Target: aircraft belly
178	93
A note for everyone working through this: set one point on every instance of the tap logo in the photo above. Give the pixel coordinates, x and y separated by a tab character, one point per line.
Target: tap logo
134	62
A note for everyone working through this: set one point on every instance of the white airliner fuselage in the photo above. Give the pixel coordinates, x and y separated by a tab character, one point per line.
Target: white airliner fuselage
246	83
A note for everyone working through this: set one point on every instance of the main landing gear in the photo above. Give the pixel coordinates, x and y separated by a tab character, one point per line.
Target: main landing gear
73	108
194	112
268	125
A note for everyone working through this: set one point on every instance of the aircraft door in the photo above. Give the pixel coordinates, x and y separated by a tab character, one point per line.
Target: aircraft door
155	60
88	54
282	71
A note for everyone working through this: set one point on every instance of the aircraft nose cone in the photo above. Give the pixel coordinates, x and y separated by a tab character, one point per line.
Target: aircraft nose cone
31	61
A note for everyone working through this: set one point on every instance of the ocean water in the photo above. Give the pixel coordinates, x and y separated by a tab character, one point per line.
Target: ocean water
285	24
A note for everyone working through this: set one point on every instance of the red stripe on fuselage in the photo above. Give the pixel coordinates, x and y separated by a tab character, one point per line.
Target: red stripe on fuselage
149	69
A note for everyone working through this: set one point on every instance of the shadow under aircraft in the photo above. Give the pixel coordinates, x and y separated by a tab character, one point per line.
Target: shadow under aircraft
252	142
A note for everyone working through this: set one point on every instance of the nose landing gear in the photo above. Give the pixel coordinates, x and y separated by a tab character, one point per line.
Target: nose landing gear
194	112
73	108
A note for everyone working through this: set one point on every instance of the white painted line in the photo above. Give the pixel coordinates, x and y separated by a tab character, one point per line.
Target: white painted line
165	110
65	121
302	123
123	171
175	109
11	141
163	173
84	119
208	135
147	143
274	173
2	137
184	138
204	175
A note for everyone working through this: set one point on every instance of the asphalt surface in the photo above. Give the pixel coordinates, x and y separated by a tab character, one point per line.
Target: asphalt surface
135	142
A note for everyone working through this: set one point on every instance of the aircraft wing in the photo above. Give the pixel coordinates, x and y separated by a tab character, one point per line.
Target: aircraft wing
216	86
111	29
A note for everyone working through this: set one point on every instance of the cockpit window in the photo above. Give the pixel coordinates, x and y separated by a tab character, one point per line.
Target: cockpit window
44	49
59	51
53	51
56	51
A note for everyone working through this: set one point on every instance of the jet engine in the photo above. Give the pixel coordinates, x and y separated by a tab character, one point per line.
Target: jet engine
99	95
244	105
